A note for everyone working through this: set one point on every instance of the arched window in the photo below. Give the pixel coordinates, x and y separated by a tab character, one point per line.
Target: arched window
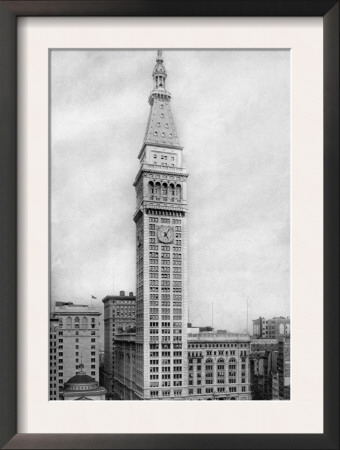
220	364
220	371
172	191
178	192
76	322
157	189
84	322
232	371
61	323
69	322
164	190
287	328
150	188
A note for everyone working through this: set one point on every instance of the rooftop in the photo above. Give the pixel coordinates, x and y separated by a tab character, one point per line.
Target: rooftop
221	335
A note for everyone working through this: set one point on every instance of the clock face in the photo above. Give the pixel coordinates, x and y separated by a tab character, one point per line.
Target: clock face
165	234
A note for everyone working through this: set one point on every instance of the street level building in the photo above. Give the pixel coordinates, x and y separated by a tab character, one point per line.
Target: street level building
264	376
283	367
77	341
161	253
119	317
83	387
218	366
263	369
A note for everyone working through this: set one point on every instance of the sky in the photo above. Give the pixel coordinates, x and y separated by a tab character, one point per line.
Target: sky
232	114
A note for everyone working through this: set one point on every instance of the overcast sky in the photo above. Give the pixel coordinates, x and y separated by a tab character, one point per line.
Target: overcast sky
232	114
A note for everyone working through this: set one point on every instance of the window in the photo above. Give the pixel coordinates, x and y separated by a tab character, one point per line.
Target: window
69	322
84	322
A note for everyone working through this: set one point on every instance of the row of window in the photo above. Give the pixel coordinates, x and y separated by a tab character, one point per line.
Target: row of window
163	220
93	333
165	346
77	323
215	345
177	393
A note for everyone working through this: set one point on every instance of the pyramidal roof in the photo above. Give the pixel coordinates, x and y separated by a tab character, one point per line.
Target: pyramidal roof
161	128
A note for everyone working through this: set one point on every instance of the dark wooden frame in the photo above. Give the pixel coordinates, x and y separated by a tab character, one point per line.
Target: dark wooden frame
9	11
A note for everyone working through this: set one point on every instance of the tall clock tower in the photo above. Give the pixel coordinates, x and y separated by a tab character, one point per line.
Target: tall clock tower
161	248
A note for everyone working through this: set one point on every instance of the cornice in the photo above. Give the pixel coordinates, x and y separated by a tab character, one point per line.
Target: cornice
142	170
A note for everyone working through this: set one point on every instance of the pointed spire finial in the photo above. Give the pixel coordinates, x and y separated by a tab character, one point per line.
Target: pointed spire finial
159	75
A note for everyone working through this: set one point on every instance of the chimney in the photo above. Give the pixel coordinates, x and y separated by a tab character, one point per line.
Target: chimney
122	293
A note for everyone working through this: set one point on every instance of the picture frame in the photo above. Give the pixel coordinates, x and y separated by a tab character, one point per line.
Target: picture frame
9	11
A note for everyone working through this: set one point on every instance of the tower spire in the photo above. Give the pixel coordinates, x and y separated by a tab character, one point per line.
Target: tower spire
160	129
159	76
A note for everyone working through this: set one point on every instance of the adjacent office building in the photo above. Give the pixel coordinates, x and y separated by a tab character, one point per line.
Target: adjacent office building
119	317
74	341
218	368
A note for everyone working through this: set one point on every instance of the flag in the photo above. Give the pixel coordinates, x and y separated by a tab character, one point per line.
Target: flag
93	297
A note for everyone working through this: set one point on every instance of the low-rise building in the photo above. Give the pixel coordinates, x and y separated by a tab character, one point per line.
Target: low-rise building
83	387
218	366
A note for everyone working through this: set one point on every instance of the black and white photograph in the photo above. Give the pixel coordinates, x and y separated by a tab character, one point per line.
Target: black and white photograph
170	248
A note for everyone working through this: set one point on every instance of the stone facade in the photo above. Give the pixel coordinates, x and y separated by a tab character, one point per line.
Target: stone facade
161	248
77	341
218	366
119	316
